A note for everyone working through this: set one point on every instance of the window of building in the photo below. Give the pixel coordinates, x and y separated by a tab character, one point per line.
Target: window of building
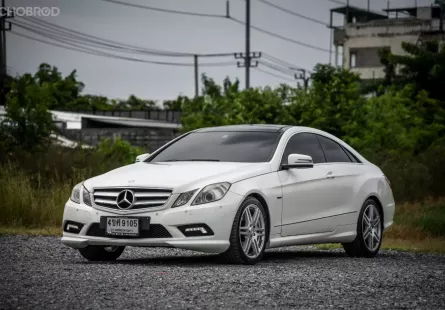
352	59
365	57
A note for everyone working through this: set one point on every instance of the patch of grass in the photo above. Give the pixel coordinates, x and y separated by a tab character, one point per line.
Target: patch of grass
28	202
418	227
328	246
428	245
419	220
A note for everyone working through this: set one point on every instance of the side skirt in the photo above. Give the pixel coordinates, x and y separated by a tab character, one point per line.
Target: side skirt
344	233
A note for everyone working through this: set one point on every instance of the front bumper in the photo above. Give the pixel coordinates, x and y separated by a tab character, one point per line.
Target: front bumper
218	216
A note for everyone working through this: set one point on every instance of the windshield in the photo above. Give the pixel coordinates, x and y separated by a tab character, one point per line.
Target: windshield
225	146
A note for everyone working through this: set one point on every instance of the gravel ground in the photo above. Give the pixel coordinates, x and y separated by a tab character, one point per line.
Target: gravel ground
40	273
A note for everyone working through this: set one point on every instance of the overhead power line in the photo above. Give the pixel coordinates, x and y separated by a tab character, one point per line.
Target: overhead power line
276	68
72	32
82	49
110	43
294	13
276	35
146	7
281	62
259	29
275	75
337	2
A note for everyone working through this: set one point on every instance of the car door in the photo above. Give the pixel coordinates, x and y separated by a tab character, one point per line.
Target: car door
346	170
306	192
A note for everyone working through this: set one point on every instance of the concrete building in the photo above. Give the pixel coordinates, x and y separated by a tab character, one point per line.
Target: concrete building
364	33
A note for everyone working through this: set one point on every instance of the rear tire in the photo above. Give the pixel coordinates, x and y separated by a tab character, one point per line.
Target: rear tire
241	250
369	232
101	253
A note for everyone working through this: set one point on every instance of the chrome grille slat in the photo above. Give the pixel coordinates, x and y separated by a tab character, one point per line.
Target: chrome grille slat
149	202
106	201
106	194
144	197
156	195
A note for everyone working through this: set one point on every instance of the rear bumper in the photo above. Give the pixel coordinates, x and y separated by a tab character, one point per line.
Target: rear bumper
218	216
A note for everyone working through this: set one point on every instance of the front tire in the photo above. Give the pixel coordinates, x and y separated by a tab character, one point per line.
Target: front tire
101	253
369	232
249	234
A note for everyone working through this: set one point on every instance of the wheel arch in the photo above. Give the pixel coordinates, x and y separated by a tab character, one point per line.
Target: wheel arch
379	205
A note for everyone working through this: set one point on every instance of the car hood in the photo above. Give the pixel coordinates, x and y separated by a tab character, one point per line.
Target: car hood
179	176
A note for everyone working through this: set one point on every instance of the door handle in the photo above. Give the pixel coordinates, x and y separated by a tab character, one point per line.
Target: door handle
330	175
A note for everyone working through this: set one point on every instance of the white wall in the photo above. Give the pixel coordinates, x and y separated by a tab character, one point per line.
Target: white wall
382	33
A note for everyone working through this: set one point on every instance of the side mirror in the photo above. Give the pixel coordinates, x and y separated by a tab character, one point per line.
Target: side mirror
298	161
142	157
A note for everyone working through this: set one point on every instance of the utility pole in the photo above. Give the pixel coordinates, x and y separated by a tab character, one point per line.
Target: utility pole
4	36
196	77
247	62
369	10
301	75
4	14
244	64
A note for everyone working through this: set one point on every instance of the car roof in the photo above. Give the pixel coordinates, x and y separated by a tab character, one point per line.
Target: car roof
250	127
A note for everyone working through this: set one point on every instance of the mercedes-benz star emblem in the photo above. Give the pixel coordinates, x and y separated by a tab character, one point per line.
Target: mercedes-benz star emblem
125	199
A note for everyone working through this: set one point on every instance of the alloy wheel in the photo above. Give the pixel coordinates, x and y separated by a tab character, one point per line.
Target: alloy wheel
252	231
371	228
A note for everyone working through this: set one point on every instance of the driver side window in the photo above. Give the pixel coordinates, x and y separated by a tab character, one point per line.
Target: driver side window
304	144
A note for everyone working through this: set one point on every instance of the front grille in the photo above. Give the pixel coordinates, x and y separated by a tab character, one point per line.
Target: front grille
143	197
154	231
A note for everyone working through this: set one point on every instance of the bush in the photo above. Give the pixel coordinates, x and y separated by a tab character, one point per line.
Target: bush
34	186
119	150
30	201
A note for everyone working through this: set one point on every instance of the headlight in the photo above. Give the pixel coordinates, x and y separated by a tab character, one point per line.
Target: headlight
86	197
75	194
183	198
212	193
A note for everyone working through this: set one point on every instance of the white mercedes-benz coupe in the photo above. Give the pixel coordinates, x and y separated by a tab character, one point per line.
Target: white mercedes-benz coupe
235	190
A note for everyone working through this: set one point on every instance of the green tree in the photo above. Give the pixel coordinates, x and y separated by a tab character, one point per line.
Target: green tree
393	125
63	90
119	150
333	102
28	122
423	66
228	105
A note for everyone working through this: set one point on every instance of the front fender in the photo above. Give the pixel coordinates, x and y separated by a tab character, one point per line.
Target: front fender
269	187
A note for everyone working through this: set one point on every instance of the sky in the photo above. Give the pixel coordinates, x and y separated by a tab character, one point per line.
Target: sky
116	78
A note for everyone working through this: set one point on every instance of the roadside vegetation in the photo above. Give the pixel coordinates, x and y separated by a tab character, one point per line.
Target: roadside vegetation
397	123
418	227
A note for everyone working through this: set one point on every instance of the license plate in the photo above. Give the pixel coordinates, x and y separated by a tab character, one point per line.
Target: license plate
121	226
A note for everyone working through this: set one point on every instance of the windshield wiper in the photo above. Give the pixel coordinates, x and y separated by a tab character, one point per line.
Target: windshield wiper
193	159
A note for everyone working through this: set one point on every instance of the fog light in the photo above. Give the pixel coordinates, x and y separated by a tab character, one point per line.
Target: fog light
201	229
196	230
72	227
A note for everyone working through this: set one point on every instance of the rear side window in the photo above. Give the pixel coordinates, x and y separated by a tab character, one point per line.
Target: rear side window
304	144
333	151
353	158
